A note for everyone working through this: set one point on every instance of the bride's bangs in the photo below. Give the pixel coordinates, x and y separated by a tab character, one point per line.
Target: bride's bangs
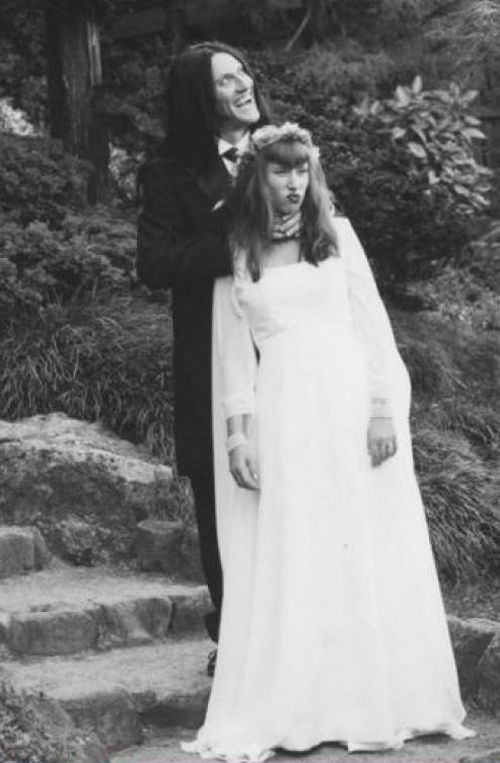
290	153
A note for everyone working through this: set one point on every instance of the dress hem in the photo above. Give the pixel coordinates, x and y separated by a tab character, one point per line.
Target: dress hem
260	754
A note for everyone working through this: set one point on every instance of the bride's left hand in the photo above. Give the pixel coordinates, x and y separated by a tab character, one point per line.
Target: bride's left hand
382	440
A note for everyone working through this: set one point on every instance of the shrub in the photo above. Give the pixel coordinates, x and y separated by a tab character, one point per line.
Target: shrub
437	132
108	358
24	737
40	265
456	431
407	175
408	217
38	181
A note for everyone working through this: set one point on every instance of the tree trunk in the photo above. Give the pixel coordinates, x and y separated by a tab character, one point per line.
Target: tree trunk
76	115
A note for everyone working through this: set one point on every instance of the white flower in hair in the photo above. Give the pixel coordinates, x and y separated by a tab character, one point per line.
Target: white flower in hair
287	132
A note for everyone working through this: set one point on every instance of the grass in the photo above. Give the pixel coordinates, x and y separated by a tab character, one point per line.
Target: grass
456	438
108	359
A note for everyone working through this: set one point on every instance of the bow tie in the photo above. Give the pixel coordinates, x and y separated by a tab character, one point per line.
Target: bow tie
232	154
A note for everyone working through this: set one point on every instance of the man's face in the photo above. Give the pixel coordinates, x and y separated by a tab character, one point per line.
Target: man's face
234	92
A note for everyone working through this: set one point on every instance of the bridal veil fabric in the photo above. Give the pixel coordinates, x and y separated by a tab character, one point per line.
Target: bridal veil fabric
333	627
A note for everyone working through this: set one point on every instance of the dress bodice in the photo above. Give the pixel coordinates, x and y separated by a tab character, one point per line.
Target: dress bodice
290	295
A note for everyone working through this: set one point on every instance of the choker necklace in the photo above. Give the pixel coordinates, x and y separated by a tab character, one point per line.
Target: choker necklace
284	239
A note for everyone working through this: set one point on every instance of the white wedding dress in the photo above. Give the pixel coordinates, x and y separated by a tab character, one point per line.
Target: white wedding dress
333	628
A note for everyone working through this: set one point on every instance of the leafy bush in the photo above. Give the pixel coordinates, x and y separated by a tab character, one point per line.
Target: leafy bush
407	216
38	181
456	432
24	737
438	133
40	266
468	289
107	359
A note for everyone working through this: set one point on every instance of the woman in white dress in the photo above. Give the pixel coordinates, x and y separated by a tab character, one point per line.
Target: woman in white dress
333	627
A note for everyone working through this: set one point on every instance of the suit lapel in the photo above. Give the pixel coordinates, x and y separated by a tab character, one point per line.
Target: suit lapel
214	183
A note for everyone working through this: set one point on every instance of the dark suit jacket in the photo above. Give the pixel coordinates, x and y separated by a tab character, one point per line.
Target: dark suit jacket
182	245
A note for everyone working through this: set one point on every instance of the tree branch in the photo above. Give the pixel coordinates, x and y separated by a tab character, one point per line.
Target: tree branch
307	17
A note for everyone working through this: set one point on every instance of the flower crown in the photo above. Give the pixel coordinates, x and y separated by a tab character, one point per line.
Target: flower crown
287	132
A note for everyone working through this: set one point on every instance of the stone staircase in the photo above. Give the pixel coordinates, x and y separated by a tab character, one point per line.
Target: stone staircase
123	654
119	651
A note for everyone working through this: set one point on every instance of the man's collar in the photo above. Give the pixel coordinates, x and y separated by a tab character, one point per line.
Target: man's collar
241	145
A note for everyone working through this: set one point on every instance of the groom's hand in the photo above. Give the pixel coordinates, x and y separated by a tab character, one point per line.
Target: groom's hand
243	467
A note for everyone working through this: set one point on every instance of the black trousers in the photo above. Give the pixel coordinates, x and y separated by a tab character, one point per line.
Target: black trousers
202	483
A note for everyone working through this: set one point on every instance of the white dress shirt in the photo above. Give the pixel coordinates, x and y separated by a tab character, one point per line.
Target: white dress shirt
242	146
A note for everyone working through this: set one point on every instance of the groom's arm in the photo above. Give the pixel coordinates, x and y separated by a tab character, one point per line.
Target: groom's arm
167	251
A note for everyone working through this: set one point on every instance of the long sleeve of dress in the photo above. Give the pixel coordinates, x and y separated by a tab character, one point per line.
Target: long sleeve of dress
371	322
234	351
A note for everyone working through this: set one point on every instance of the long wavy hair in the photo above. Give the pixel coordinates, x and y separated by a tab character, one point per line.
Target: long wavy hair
253	214
191	117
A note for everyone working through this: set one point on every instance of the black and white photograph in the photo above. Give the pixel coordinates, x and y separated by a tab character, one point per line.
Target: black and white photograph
250	381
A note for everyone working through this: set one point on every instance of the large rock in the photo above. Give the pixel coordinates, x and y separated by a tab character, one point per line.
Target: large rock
22	549
111	715
169	547
489	672
470	639
81	485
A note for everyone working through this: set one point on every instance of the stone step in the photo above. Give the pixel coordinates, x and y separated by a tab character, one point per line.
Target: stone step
66	610
169	547
22	549
120	693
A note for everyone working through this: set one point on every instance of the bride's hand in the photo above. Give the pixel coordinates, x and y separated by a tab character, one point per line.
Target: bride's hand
243	467
287	227
382	441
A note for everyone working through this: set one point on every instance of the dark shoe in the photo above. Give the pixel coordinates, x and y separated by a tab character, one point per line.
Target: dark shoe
212	659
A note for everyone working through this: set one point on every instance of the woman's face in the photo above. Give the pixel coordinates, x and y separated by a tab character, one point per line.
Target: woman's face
234	92
287	186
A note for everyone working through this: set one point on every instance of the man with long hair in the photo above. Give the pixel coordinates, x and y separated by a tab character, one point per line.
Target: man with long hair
213	105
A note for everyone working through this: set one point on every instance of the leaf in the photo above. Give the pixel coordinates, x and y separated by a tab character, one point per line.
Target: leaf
398	132
472	120
432	177
402	96
474	132
417	84
421	134
417	150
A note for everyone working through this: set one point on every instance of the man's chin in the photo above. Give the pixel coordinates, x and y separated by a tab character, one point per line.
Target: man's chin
250	118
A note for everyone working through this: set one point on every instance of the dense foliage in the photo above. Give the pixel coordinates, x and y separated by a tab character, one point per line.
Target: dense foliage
38	181
52	248
24	736
107	359
403	168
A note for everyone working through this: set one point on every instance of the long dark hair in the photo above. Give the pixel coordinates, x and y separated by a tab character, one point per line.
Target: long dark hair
253	215
190	104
